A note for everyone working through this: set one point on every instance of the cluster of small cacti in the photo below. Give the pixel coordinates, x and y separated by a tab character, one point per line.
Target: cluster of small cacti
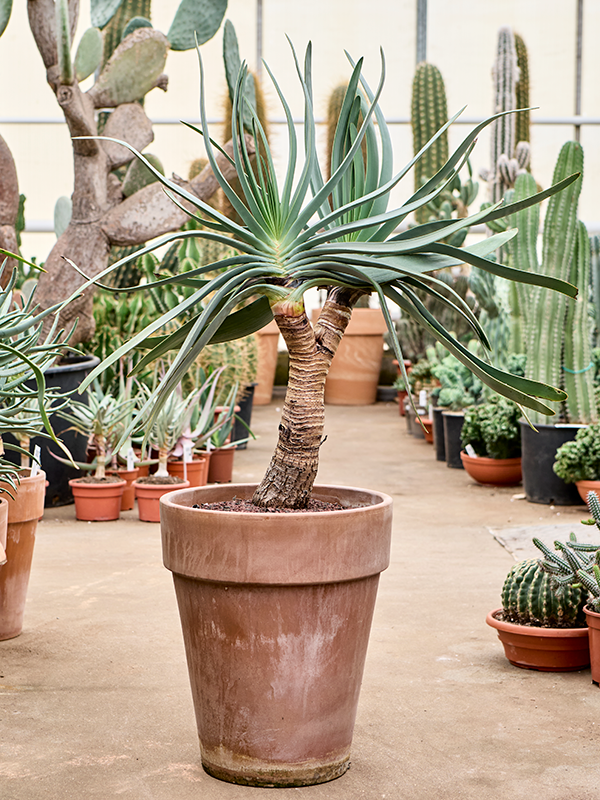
558	334
573	564
510	151
528	598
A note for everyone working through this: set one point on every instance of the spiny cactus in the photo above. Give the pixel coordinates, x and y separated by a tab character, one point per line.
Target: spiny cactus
529	599
89	54
138	175
429	112
113	32
595	283
522	121
546	318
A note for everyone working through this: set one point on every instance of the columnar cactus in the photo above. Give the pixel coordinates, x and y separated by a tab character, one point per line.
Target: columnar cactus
551	332
429	112
595	283
522	121
529	599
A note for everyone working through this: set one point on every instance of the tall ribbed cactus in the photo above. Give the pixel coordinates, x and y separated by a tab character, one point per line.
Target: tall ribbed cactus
113	32
429	111
528	598
551	330
595	283
522	121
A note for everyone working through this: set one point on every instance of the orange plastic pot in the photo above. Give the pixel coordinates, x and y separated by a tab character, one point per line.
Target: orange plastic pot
196	471
129	476
593	621
543	649
276	611
97	502
493	471
23	513
220	468
268	340
583	487
3	529
148	498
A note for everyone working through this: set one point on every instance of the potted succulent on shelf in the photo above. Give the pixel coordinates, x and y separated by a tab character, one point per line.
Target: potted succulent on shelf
491	439
576	566
286	561
25	404
578	461
102	419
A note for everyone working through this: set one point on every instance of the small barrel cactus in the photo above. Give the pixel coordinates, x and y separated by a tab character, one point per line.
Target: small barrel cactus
528	598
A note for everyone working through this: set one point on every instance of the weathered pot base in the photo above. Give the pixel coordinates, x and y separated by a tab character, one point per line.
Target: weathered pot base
248	772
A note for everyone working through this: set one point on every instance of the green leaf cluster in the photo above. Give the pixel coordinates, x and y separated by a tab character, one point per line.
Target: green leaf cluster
579	460
492	429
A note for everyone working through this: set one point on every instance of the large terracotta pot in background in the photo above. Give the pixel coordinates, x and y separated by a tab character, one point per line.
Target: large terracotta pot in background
3	529
97	502
24	511
593	621
493	471
583	487
148	498
276	611
543	649
129	476
195	472
354	373
268	339
220	469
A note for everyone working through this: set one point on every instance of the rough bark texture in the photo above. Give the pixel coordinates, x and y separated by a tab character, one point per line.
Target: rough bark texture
101	216
9	209
291	474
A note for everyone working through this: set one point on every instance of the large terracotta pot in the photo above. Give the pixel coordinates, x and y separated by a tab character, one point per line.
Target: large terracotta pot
24	511
354	372
268	340
196	472
220	468
148	498
97	502
543	649
276	611
583	487
593	621
129	476
493	471
3	529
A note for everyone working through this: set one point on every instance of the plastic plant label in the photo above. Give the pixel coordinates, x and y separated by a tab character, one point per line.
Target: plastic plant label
470	451
423	398
130	459
187	452
35	464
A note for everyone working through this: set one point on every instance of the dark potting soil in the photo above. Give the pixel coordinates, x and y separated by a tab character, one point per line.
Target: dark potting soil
153	480
235	504
93	479
516	619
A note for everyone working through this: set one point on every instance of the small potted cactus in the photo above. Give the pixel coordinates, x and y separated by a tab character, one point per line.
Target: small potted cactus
491	439
578	461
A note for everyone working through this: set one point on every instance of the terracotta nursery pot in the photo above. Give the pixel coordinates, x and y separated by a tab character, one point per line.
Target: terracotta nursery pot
493	471
543	649
97	502
3	529
129	476
276	611
428	432
148	498
268	339
196	472
593	621
583	487
220	468
23	515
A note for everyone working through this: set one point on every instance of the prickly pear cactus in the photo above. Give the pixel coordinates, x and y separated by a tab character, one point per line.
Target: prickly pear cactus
113	32
138	175
528	598
89	54
5	9
195	21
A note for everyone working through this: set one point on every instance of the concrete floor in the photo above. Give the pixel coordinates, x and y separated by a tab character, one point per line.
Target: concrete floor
94	695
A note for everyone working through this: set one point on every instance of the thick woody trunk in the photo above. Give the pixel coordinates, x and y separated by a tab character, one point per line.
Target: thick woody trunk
291	474
9	209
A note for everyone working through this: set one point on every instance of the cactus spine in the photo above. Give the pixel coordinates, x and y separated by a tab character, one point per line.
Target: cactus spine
429	111
528	598
546	316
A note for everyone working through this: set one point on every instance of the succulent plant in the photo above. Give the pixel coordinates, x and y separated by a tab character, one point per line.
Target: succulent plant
528	598
522	118
579	459
492	429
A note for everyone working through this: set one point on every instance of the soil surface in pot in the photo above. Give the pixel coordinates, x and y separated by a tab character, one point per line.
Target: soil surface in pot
514	619
101	481
235	504
160	481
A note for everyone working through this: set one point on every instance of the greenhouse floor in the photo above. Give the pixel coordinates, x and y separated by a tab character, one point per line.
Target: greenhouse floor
94	695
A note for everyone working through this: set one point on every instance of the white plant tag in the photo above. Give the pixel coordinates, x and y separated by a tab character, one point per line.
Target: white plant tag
423	398
130	460
187	452
35	467
470	451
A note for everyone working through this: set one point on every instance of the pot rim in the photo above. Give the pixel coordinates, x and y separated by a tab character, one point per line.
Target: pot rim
485	460
531	630
77	482
591	612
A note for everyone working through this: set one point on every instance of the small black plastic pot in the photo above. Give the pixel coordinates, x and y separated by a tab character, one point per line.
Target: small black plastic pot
540	482
439	445
245	413
453	422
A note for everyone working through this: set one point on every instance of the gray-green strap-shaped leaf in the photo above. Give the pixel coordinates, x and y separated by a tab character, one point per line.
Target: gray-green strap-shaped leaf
5	9
102	11
195	21
133	24
89	54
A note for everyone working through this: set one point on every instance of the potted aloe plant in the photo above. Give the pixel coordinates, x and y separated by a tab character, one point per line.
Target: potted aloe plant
491	439
25	403
285	561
